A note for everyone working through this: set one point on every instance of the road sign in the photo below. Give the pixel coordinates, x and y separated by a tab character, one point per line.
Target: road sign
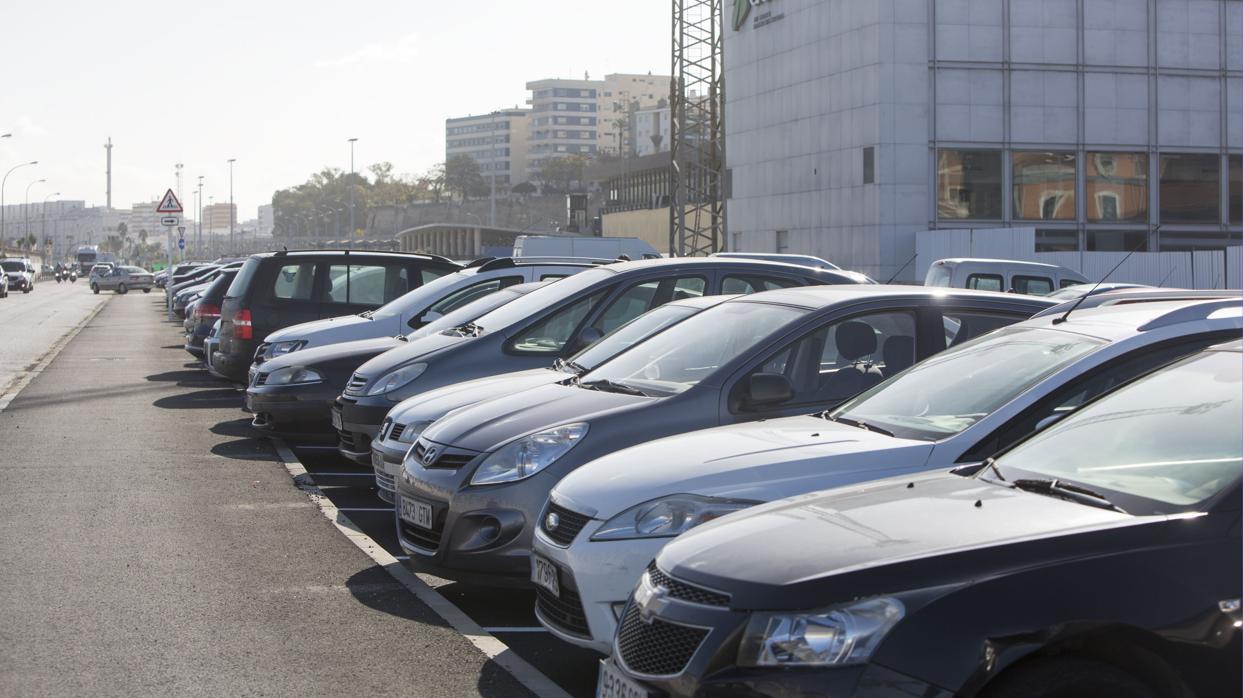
169	204
181	243
170	221
181	230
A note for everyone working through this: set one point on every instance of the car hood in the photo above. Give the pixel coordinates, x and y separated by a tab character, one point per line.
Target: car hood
889	536
434	404
489	425
410	352
318	333
360	350
760	461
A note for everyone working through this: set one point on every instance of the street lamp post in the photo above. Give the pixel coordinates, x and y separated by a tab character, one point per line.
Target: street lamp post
198	235
232	216
352	141
3	182
26	208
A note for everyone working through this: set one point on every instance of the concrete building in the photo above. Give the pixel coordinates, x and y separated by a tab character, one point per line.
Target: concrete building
649	129
267	220
1105	125
497	141
588	117
216	218
142	216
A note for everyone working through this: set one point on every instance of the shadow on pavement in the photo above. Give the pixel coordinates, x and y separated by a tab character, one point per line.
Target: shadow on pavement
238	428
190	378
258	450
77	397
200	400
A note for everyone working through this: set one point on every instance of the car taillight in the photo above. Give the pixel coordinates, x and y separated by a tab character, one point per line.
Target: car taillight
243	328
207	310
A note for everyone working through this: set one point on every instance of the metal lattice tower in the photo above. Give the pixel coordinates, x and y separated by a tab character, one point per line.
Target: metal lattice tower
697	135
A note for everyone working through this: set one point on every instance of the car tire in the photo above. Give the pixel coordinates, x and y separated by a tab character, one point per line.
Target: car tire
122	290
28	289
95	288
1068	677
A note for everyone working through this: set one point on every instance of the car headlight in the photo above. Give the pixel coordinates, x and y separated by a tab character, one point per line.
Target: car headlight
294	375
525	457
413	431
281	348
397	379
668	516
845	634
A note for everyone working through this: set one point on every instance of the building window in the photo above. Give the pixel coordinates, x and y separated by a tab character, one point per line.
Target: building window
1117	240
783	241
1117	187
1044	186
1181	241
869	165
1190	188
969	184
1236	189
1054	240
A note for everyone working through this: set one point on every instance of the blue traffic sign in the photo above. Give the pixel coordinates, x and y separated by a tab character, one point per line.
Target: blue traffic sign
181	243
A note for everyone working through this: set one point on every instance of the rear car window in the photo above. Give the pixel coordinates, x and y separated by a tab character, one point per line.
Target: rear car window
295	282
242	281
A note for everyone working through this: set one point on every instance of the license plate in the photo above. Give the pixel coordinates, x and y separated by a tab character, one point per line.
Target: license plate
613	684
336	420
544	574
416	512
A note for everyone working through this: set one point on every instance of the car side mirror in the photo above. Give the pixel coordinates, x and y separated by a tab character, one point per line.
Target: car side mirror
768	389
589	336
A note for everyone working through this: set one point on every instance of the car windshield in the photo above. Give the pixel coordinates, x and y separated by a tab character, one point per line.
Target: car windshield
674	361
1163	444
467	313
420	298
949	392
543	299
13	266
630	334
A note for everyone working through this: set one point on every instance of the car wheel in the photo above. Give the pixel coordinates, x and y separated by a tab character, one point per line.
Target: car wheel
122	290
1068	678
95	288
28	289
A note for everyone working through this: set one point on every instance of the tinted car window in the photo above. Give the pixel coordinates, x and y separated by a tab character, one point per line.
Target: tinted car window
542	298
640	298
961	326
472	293
550	335
736	284
985	282
1033	285
295	282
631	333
241	283
358	284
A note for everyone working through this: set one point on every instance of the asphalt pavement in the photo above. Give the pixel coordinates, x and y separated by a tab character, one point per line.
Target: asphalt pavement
151	544
31	323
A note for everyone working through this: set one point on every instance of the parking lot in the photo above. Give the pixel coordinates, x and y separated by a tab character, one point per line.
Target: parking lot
181	557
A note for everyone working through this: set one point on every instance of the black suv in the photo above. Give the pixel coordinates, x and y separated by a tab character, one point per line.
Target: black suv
279	289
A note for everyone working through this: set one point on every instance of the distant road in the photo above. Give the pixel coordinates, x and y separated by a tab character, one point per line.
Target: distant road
31	323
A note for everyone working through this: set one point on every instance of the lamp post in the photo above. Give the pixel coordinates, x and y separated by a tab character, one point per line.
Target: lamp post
26	208
232	216
4	181
198	234
352	141
43	222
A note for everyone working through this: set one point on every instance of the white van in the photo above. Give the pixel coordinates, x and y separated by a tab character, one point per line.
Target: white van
1007	275
581	246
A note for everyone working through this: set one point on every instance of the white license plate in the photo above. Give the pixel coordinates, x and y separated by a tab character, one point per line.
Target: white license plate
613	684
336	420
544	574
416	512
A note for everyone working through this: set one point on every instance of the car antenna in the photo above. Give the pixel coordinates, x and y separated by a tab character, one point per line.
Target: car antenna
902	268
1064	318
1167	276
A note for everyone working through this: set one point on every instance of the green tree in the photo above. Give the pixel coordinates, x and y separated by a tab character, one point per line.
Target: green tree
464	178
562	175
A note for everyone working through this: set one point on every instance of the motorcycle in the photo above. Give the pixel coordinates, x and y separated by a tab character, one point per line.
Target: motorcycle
73	276
60	275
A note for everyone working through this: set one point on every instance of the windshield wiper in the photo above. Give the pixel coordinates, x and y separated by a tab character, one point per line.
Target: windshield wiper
402	338
470	329
1066	490
860	424
368	314
991	464
608	386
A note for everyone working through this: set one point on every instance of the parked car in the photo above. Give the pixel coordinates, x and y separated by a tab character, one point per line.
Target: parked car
187	293
408	419
551	323
206	313
294	393
279	289
123	279
963	405
20	272
1071	293
4	283
470	508
424	304
210	345
1100	557
1030	278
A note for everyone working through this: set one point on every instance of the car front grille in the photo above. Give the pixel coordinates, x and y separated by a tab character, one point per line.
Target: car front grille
421	537
356	385
261	379
385	481
446	457
657	648
569	524
685	592
565	612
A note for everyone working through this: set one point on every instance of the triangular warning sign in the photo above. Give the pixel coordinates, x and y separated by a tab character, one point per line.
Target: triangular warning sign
169	204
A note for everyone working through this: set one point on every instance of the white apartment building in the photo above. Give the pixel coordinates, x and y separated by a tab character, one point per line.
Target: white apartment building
588	117
266	221
1105	125
650	130
497	141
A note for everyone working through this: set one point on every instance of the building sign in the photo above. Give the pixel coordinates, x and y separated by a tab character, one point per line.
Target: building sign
742	10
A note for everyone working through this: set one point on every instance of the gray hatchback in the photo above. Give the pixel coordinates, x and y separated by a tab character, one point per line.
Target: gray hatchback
476	481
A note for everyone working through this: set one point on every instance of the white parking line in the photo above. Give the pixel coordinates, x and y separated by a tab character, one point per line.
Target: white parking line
480	637
350	509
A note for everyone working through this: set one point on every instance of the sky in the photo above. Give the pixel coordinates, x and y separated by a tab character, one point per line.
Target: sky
280	86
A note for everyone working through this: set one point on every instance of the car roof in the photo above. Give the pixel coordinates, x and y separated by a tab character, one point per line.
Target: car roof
1234	345
361	253
727	263
1115	322
822	296
1015	262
